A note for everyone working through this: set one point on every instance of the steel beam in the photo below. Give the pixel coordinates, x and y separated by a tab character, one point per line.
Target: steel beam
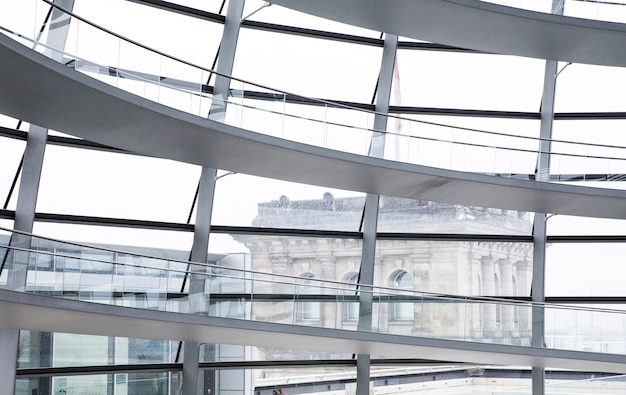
26	205
206	193
539	229
370	219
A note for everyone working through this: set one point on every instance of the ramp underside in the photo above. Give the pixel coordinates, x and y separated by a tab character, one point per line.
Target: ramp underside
481	26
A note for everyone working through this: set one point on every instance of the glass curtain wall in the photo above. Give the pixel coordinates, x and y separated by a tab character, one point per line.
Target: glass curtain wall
148	205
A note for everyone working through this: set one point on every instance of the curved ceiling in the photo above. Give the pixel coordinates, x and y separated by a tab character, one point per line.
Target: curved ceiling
43	92
481	26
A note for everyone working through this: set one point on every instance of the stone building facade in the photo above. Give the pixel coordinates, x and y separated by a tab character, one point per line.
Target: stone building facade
432	264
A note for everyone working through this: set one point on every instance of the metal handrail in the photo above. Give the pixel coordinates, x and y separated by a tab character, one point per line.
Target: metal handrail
293	280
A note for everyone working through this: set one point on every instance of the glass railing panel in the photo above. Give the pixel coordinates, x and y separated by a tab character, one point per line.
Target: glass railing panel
302	123
125	383
45	349
313	296
80	45
139	72
597	385
459	319
179	84
273	301
582	328
604	161
262	116
5	237
347	130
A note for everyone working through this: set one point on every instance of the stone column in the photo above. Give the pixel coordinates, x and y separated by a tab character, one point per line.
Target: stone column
476	330
329	309
280	264
489	289
523	274
420	261
506	289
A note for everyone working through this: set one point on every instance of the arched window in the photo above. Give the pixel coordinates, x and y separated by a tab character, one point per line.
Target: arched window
351	309
402	311
308	309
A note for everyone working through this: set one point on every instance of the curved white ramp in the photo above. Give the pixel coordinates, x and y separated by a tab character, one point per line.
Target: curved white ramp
43	313
481	26
38	90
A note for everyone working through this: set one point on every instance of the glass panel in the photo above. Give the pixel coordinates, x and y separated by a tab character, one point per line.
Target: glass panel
593	269
587	328
541	6
351	309
587	88
469	80
612	11
11	151
247	200
124	238
607	161
327	69
284	16
504	147
22	21
308	260
35	350
420	216
12	123
103	184
563	225
121	17
309	380
575	383
457	268
45	349
210	5
7	224
402	280
307	311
